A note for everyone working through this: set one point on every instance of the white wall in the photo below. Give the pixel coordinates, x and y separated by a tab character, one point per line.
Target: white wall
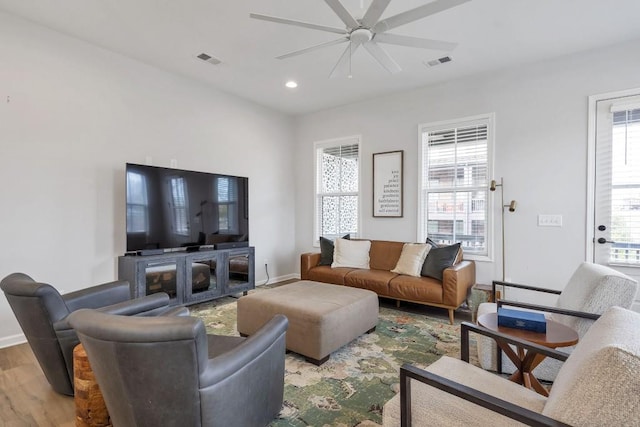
541	151
72	115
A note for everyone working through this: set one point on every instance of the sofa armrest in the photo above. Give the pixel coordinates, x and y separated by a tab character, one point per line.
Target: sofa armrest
456	281
307	262
98	296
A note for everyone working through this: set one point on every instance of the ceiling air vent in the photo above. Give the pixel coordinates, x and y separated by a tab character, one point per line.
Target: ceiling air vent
438	61
208	58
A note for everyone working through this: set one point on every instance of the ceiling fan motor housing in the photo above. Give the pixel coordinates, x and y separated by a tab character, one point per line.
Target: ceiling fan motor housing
361	35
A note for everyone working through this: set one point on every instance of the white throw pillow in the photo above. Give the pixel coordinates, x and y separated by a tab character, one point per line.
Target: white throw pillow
351	253
412	258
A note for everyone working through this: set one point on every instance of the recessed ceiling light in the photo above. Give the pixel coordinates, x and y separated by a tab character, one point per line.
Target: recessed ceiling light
291	84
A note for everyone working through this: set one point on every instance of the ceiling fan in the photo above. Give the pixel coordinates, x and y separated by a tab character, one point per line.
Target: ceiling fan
369	31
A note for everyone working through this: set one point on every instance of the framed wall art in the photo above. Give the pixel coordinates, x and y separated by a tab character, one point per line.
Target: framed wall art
387	184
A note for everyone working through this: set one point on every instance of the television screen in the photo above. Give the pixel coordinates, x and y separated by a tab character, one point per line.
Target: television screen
172	208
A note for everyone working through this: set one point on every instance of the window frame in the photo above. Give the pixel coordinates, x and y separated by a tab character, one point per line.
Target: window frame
422	227
334	142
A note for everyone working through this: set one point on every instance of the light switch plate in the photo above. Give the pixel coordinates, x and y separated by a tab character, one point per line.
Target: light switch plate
546	220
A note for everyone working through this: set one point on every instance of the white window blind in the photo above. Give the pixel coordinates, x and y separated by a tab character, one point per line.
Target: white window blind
454	191
337	188
625	187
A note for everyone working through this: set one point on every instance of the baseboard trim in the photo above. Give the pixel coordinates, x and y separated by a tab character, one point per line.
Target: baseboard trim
12	340
279	279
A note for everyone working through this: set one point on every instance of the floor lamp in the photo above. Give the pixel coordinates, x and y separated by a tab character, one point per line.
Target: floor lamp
512	208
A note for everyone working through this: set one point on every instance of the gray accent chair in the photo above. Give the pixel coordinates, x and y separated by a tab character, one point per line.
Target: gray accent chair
167	371
42	314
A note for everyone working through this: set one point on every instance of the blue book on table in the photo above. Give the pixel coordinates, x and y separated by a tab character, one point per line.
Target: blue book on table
519	319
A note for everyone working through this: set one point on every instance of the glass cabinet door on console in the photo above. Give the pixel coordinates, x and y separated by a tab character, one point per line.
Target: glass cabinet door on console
202	279
239	271
161	276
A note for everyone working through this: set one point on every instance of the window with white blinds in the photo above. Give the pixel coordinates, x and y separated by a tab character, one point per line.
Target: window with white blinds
625	187
455	162
337	200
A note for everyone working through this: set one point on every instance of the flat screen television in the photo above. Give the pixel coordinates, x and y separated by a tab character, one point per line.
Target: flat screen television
173	209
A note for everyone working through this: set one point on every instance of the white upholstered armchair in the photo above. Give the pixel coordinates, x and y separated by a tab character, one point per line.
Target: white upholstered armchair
590	291
596	386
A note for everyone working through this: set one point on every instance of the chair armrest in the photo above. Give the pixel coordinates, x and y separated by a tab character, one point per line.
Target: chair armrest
221	367
150	305
143	306
508	409
548	309
98	296
519	286
467	327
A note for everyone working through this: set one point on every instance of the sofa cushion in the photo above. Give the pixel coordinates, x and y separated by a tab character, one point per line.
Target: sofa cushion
438	259
351	253
411	259
373	280
416	289
327	248
384	254
326	274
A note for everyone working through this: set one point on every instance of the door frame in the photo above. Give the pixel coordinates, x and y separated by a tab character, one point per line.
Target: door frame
591	165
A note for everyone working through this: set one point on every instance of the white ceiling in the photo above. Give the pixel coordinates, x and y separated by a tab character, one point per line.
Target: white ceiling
492	34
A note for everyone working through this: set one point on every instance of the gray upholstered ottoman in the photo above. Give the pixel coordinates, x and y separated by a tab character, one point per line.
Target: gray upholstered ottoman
322	317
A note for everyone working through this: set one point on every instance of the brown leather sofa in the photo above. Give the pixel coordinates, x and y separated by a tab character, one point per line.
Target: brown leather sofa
449	294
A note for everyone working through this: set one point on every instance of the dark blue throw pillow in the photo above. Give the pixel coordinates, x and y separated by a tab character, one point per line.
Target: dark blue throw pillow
438	259
326	250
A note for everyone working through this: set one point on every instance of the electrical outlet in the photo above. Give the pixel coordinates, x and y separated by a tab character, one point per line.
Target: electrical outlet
266	261
549	220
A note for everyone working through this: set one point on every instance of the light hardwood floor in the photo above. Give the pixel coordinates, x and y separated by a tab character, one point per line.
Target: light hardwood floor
26	398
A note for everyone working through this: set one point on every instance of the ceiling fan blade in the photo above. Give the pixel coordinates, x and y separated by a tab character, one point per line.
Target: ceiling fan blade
311	48
298	23
375	11
342	66
343	13
382	57
414	42
415	14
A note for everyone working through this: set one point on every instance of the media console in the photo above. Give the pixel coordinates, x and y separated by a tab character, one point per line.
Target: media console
190	277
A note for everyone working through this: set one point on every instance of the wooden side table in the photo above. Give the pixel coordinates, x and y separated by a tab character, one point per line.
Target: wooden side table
91	411
557	335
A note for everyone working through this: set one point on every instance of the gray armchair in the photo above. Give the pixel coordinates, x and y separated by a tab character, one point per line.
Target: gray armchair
167	371
42	314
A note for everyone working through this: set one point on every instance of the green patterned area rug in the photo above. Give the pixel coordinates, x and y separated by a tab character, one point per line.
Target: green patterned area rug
351	388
